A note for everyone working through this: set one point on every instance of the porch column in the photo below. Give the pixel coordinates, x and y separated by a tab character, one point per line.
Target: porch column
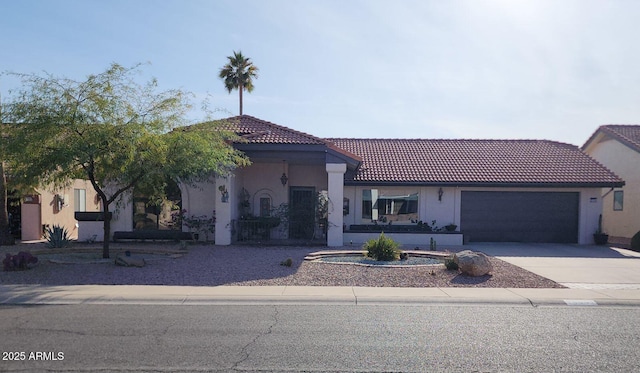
335	183
224	205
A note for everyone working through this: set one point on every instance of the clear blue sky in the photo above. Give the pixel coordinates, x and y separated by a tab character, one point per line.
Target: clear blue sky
396	69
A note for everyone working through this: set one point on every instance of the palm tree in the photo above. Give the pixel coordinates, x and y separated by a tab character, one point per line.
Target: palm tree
238	74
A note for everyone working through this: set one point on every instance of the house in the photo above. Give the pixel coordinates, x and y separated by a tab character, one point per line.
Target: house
45	208
618	148
481	190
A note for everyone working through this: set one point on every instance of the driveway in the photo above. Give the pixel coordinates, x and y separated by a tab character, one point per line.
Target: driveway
575	266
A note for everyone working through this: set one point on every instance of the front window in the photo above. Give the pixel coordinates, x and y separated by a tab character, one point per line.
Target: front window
386	206
265	207
80	200
618	199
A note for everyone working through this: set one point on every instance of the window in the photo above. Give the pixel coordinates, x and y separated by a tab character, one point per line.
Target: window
80	200
265	207
618	199
389	205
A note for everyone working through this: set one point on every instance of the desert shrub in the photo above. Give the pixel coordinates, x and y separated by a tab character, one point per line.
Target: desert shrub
382	249
450	264
635	242
57	237
19	262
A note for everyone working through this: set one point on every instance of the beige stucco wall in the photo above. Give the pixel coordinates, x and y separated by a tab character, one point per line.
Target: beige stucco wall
624	162
49	212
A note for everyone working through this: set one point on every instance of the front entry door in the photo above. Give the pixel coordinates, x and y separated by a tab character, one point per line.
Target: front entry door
302	212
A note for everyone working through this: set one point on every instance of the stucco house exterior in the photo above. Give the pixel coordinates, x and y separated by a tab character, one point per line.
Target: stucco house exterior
618	148
47	207
481	190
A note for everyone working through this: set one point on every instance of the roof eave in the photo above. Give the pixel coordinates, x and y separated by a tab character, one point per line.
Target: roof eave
488	185
606	131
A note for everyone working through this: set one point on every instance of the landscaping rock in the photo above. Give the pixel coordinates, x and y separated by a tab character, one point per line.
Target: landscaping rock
473	263
130	261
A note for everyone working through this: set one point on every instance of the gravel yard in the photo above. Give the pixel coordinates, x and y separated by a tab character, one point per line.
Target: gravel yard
203	265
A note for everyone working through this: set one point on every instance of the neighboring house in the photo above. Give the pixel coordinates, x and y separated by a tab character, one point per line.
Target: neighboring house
46	208
490	190
618	148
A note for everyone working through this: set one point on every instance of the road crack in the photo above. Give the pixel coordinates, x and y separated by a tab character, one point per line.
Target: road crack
245	350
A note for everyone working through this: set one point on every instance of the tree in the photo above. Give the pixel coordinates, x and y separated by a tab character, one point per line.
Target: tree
238	74
112	131
5	230
6	238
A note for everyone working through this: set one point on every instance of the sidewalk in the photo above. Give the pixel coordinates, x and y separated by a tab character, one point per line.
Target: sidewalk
194	295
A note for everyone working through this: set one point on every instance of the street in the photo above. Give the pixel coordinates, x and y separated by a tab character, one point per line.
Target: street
322	337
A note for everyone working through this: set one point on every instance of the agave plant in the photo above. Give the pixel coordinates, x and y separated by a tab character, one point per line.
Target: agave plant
57	237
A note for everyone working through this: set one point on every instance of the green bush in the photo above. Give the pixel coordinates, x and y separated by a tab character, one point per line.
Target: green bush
635	242
287	262
382	249
451	264
57	237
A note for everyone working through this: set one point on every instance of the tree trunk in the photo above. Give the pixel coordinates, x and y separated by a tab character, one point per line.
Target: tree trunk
5	229
107	229
240	89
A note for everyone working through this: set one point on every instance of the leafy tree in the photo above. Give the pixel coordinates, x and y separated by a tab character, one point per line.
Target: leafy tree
112	131
238	74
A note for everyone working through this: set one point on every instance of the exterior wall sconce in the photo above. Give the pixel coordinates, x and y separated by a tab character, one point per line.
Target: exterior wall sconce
440	193
284	178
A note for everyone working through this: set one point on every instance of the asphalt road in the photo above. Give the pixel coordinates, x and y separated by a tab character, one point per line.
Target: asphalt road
320	338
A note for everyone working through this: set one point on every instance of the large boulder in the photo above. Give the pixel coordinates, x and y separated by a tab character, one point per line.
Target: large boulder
473	263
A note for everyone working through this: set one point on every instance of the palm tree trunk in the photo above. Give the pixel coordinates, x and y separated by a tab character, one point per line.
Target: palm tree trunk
240	89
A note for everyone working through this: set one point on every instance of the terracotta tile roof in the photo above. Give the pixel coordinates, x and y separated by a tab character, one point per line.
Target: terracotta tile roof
627	134
496	162
258	131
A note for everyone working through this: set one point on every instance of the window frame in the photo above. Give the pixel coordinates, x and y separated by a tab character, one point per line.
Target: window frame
390	205
618	200
79	200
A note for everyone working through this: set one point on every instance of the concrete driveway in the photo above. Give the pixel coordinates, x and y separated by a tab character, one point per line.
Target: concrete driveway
575	266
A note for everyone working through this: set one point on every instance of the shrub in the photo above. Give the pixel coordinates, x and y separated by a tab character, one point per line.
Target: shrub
382	249
57	237
451	264
287	263
19	262
635	242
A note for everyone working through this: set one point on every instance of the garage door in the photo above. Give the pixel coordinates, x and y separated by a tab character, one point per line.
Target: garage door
520	216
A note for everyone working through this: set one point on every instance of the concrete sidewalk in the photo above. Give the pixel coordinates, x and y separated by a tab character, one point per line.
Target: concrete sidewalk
194	295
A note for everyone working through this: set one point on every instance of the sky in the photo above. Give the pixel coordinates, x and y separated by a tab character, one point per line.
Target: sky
477	69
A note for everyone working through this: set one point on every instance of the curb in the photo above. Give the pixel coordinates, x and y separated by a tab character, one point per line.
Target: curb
302	295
